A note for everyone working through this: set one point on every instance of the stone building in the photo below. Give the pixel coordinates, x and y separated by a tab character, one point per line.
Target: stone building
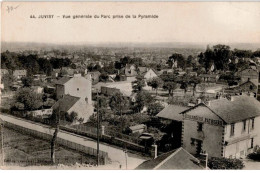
228	128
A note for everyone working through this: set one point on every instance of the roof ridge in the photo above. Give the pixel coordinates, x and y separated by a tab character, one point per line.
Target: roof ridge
167	158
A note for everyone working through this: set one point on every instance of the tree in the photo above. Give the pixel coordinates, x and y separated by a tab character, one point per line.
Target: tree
118	103
27	81
222	55
73	116
125	60
155	83
49	102
142	99
56	115
181	63
184	81
103	77
194	81
118	65
8	80
170	86
138	84
157	134
154	108
29	99
218	56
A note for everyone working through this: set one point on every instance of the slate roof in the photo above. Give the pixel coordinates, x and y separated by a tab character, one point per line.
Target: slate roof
243	107
65	103
172	112
176	159
63	80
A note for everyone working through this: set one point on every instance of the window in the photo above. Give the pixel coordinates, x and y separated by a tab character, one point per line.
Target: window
252	143
232	130
244	125
77	89
200	126
253	123
192	141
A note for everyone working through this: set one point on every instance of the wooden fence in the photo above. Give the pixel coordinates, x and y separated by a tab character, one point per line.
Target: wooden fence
72	145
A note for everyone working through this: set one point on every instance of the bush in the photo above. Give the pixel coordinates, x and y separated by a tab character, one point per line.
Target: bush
224	163
255	155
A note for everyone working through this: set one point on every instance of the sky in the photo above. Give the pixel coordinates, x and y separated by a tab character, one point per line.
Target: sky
195	22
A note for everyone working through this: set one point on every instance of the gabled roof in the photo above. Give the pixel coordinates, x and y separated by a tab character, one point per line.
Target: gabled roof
241	108
172	112
176	159
65	103
63	80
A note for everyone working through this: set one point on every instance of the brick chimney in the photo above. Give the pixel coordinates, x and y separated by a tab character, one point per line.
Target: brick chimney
203	157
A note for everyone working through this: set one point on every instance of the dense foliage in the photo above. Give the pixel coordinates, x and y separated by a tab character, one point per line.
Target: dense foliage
224	163
255	155
31	63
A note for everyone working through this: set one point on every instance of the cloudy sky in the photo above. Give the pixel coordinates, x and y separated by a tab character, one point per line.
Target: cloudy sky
197	22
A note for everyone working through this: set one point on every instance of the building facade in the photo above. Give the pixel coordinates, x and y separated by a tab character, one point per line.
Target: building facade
77	86
222	128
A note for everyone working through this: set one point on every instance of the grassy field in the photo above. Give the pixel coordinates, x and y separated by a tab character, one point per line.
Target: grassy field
23	150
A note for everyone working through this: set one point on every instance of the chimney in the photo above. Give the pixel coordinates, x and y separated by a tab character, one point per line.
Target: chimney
209	102
154	151
232	98
198	101
203	157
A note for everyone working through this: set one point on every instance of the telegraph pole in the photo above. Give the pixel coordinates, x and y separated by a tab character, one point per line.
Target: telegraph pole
97	130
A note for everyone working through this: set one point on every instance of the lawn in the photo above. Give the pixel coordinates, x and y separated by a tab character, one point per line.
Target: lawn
23	150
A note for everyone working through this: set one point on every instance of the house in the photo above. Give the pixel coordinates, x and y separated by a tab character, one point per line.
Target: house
249	74
137	128
151	73
171	115
18	74
142	70
222	127
55	73
37	89
209	78
175	159
247	87
94	76
77	86
68	104
130	70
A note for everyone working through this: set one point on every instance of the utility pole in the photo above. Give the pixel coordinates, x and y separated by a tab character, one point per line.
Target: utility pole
98	129
125	150
2	142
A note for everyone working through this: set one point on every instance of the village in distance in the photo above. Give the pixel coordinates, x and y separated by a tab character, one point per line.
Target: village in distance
130	107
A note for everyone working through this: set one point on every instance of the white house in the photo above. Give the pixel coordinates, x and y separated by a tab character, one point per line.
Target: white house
222	128
150	74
